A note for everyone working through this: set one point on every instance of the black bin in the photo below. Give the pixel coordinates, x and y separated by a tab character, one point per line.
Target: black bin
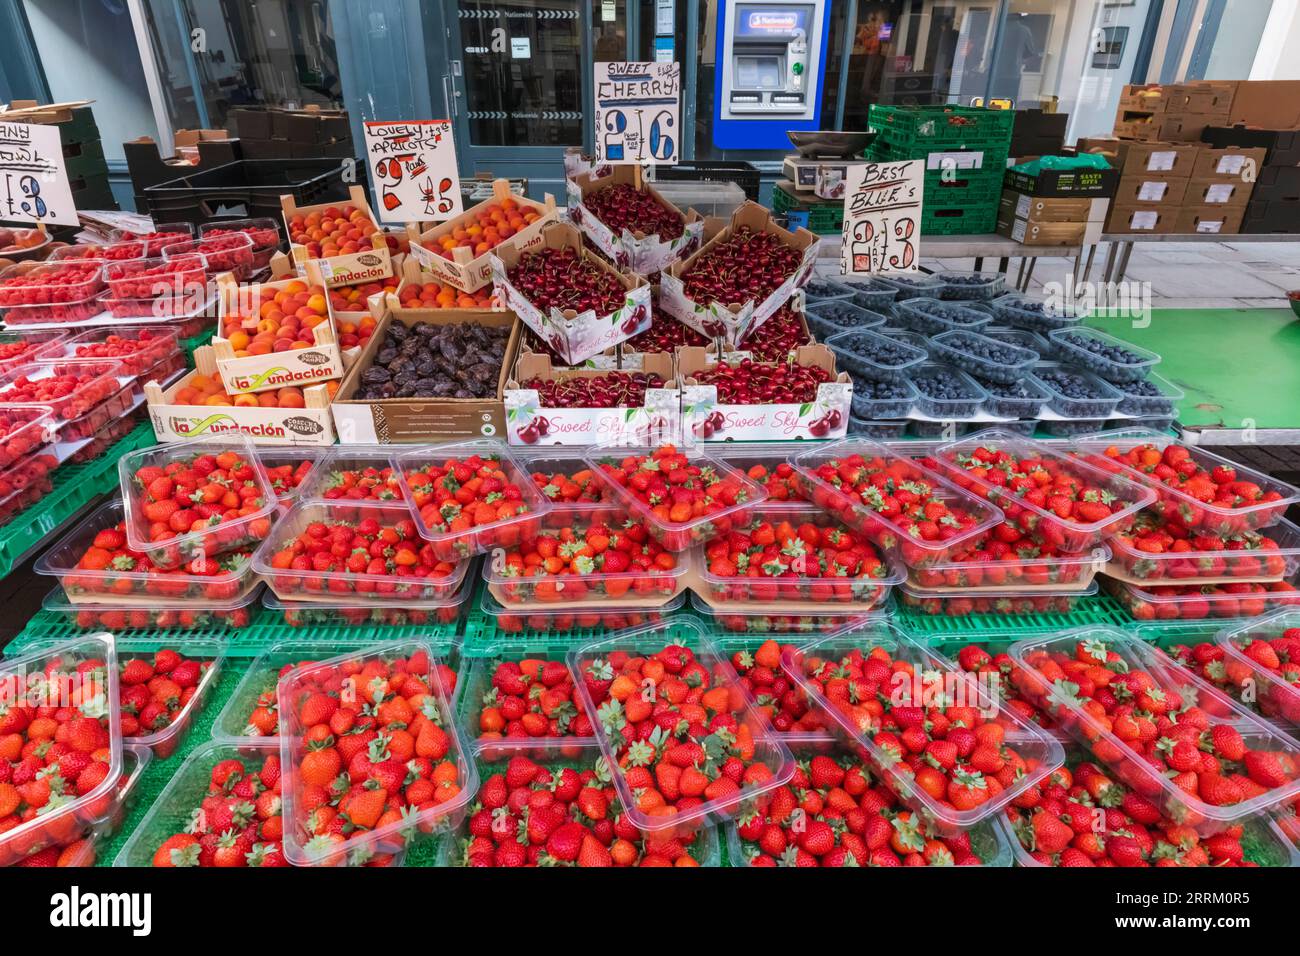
251	187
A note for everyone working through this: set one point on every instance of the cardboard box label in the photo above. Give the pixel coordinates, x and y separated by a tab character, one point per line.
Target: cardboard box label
1144	220
1230	165
1018	230
1220	193
1161	161
528	423
1153	190
825	417
955	160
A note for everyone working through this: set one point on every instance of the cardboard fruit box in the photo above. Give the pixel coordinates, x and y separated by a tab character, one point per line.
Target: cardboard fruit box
395	421
265	426
528	422
643	254
573	336
375	262
411	274
736	320
704	419
321	362
464	269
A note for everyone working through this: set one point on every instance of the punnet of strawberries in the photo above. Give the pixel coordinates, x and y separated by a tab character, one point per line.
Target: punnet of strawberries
778	480
774	557
575	486
1083	817
1196	602
685	497
592	617
999	603
608	560
374	755
678	727
362	483
838	812
530	697
466	500
155	689
562	813
1000	668
214	502
775	695
1158	548
1263	675
109	567
930	732
1006	557
1169	739
287	478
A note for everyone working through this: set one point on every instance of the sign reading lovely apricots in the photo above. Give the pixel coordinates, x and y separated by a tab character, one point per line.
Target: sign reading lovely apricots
882	217
413	163
637	112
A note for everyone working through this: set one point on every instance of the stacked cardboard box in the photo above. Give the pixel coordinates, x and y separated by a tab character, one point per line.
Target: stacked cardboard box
1153	182
1265	126
1055	207
83	151
309	133
1176	113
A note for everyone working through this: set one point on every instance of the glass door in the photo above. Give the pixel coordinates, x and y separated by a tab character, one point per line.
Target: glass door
518	80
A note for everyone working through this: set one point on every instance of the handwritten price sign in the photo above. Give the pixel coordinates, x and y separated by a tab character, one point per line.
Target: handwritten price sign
882	217
413	164
33	181
637	112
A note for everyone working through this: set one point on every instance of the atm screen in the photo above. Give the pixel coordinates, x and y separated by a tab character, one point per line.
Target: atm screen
758	73
753	21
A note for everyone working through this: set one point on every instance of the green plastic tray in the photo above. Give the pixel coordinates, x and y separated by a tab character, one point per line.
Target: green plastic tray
1100	609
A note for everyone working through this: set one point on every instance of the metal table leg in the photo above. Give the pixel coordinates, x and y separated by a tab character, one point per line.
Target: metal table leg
1029	274
1123	262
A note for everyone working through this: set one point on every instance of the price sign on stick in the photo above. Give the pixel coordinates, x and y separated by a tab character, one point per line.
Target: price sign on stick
638	108
33	181
413	165
882	217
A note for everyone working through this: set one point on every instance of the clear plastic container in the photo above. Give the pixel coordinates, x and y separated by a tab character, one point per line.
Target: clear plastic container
971	286
1131	365
647	641
869	293
1193	602
299	848
1190	511
783	619
445	611
1270	554
76	816
454	544
231	253
886	532
768	464
907	337
135	760
878	431
868	405
825	289
931	317
999	602
703	846
237	721
124	251
241	533
21	348
929	402
26	482
1041	753
174	809
158	278
163	234
955	348
756	658
165	741
341	586
542	622
1024	313
910	285
828	318
140	348
845	345
330	481
33	295
680	535
803	584
263	231
105	423
573	487
232	575
92	382
288	469
1041	523
24	432
1258	686
1098	399
1068	570
1023	400
187	316
1021	338
1036	653
1148	397
154	614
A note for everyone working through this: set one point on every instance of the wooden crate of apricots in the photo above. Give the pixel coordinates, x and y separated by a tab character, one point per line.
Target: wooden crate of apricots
273	334
456	253
199	405
344	239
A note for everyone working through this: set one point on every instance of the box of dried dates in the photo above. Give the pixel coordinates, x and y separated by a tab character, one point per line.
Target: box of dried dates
580	406
429	378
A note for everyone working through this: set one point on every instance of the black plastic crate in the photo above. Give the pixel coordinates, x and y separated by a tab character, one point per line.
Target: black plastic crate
250	187
743	174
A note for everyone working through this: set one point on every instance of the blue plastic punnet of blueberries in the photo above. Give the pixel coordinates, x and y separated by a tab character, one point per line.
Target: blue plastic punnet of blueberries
872	356
946	392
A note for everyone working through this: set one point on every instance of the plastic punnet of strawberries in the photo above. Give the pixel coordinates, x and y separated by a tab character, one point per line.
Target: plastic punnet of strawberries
374	754
1267	681
154	690
112	568
976	659
778	480
678	730
748	265
800	558
954	754
774	694
608	560
1196	602
579	488
837	812
563	279
1006	557
1083	817
1180	734
459	495
363	483
1166	549
531	697
287	478
562	813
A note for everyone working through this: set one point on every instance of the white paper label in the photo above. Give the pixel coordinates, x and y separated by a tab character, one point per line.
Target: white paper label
882	212
413	166
1153	190
1018	230
608	10
1162	161
1210	226
1220	193
1022	207
1230	164
521	48
974	160
1145	220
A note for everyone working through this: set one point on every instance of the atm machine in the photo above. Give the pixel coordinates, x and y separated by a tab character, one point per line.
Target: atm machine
769	71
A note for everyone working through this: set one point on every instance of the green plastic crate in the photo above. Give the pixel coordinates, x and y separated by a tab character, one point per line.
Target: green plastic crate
1100	609
958	221
823	219
932	127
